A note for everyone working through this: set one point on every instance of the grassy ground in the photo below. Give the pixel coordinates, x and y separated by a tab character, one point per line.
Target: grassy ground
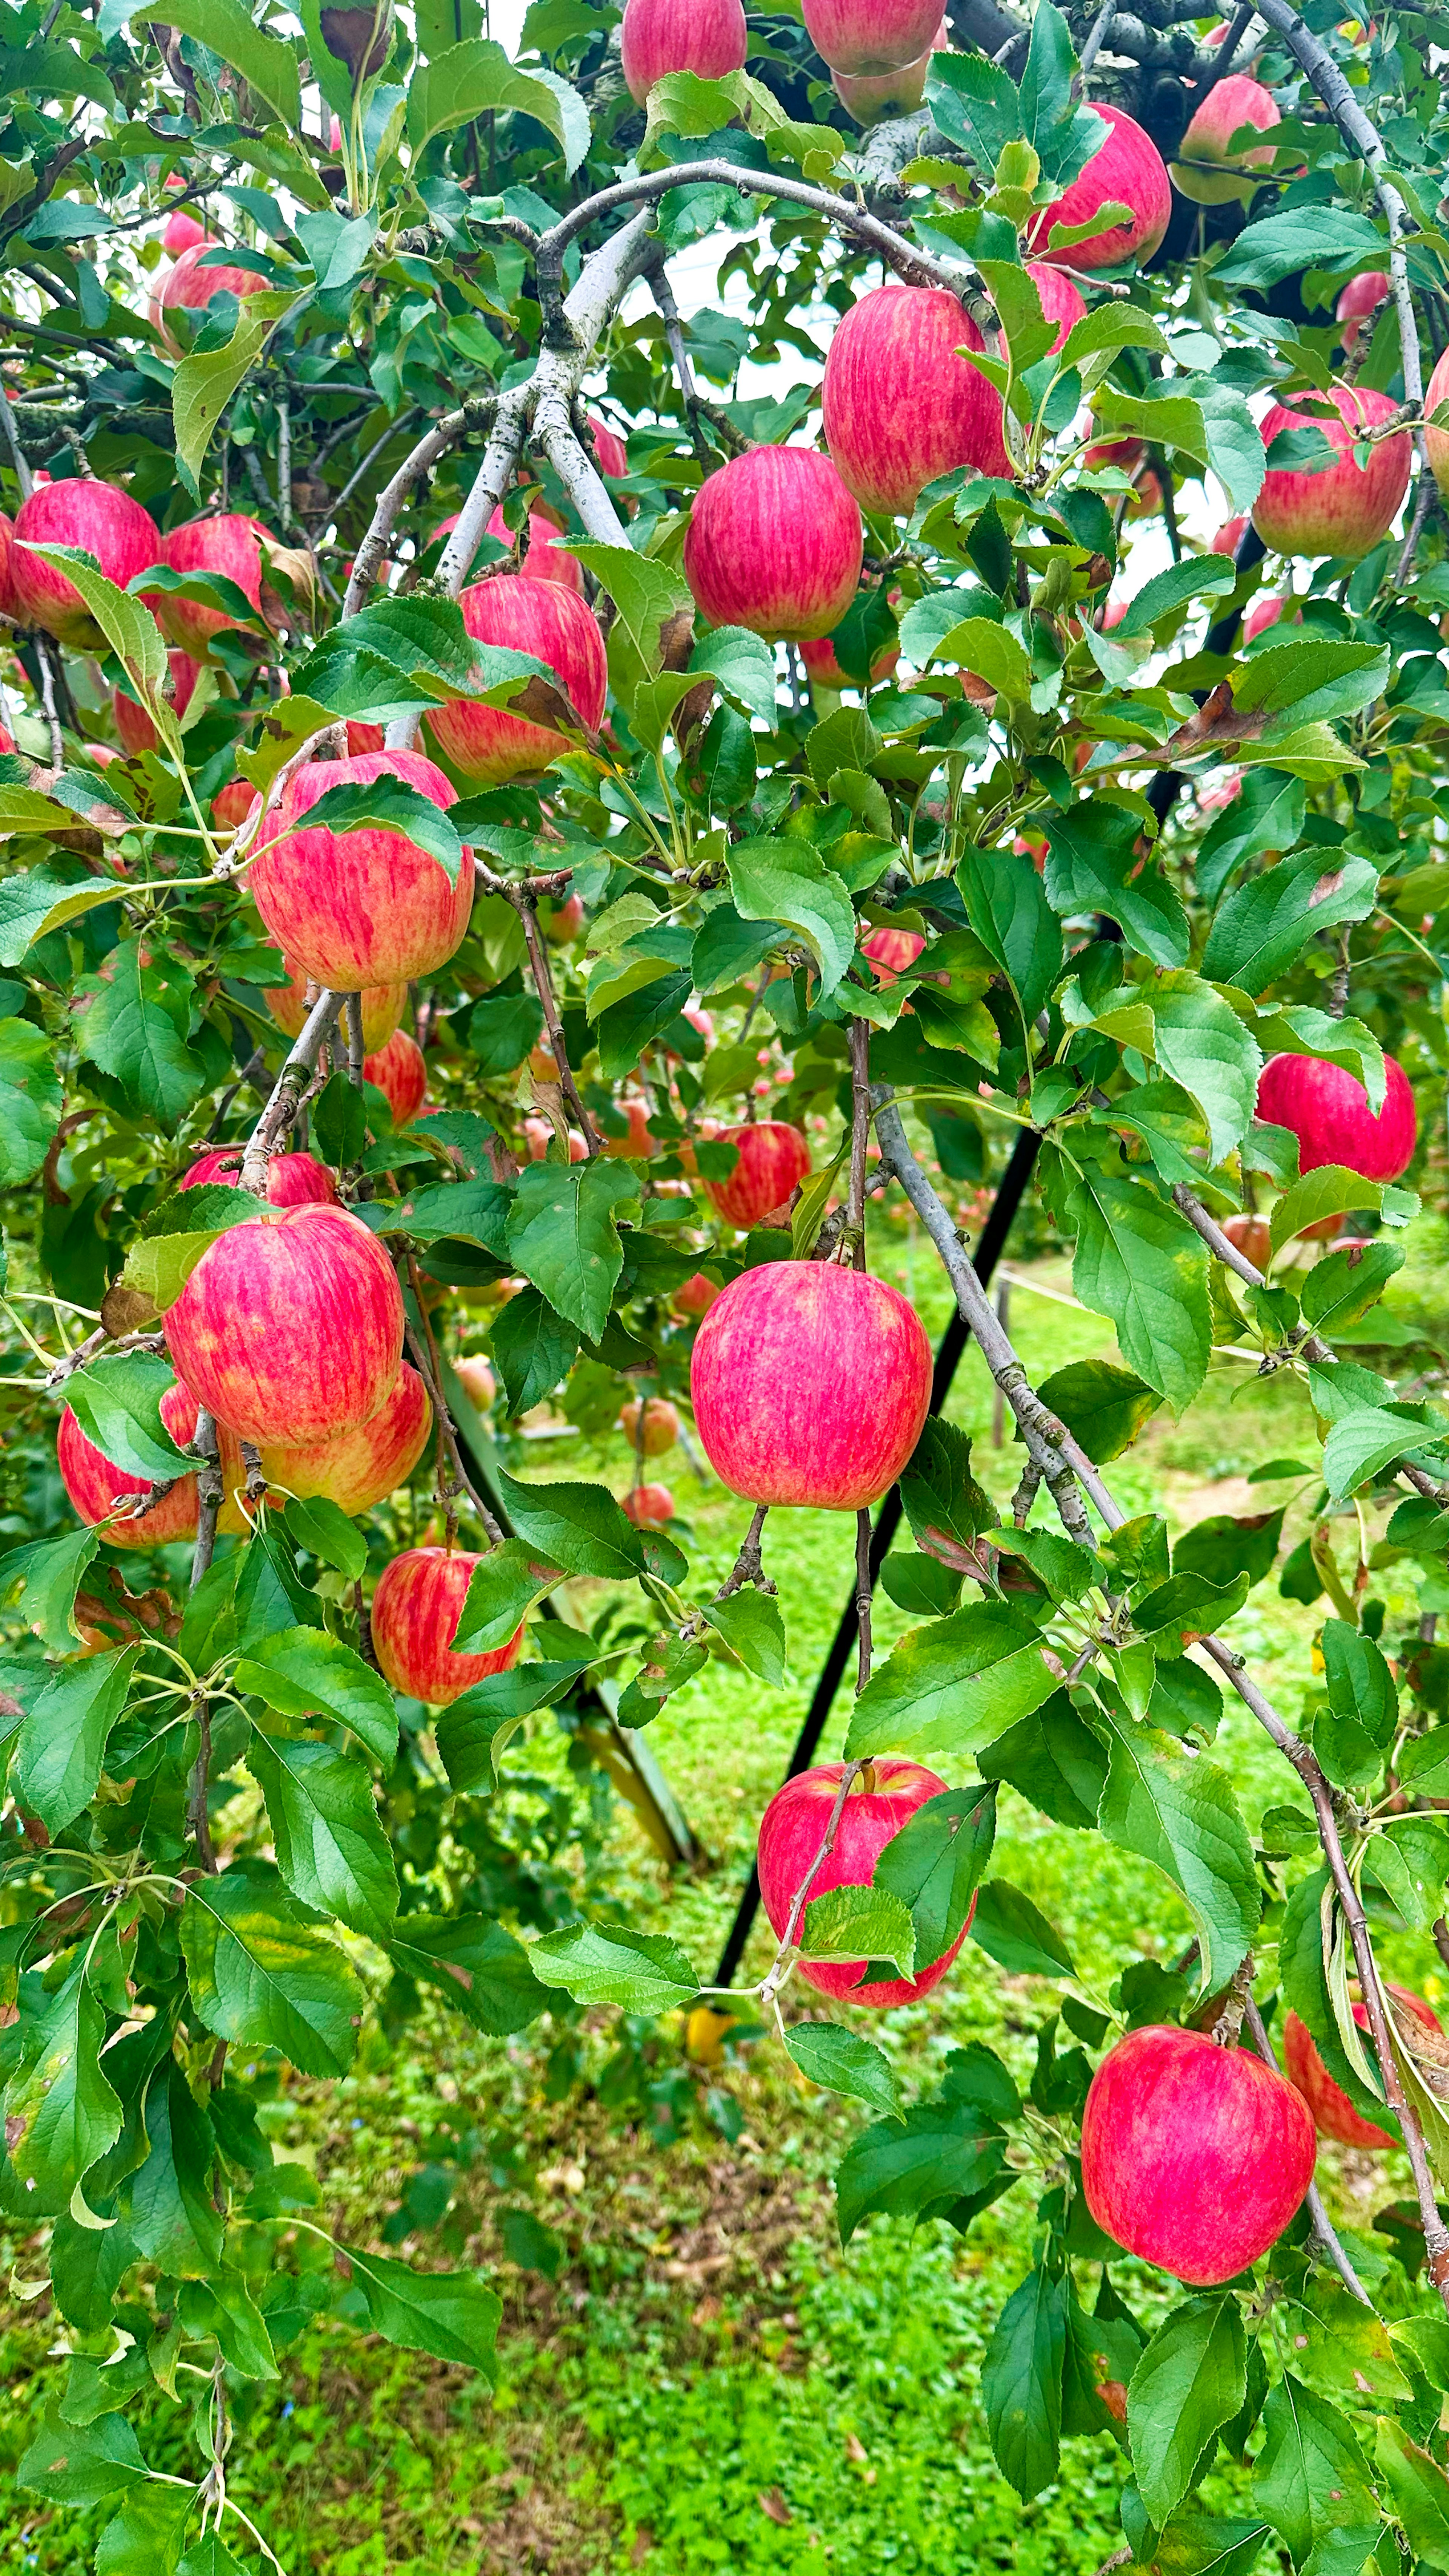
706	2381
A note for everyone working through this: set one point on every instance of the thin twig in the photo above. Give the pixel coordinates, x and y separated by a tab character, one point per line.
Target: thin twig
424	1354
520	898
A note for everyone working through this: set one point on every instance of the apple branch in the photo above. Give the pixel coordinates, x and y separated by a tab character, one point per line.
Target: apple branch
292	1085
748	1565
525	904
477	413
854	1229
423	1351
203	1444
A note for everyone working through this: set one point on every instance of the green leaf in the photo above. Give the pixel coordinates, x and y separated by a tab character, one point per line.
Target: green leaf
859	1923
1418	2491
60	2112
145	2538
62	1741
991	653
1053	1759
938	2154
478	1967
646	593
502	1589
1202	1044
264	1975
391	805
35	902
1361	1444
844	2063
744	666
451	2315
533	1349
41	1579
1266	815
167	2200
1330	1191
31	1099
1092	866
787	882
1310	2477
134	1026
975	104
326	1832
203	384
1190	2381
1178	1810
563	1235
1013	1932
1340	2348
1328	237
226	27
210	2557
1103	1406
1263	928
608	1963
475	77
1339	1290
917	1702
751	1622
1007	908
305	1672
1141	1264
943	1500
117	1402
225	2308
582	1528
934	1865
626	1027
83	2465
1021	2382
1358	1728
1174	587
1309	682
323	1528
1220	1548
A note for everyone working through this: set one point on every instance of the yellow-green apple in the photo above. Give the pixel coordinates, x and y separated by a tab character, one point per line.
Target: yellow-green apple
1127	170
661	1425
775	544
132	723
866	36
810	1385
1207	170
1327	1109
401	1076
355	908
1347	508
1194	2157
648	1506
774	1159
1332	2110
658	37
552	623
358	1469
792	1830
101	520
382	1004
292	1179
290	1328
415	1612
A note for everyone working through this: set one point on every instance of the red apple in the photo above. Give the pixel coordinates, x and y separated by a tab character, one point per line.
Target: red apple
792	1830
100	519
870	35
818	655
663	36
365	737
648	1506
775	544
1229	537
400	1075
1327	1109
1194	2157
290	1328
661	1425
696	1296
562	922
382	1004
358	1469
182	232
901	405
810	1385
230	546
476	1379
545	556
538	1135
609	447
1266	611
1361	297
231	805
292	1179
1127	171
9	601
1331	2108
189	287
95	1485
132	723
700	1020
640	1141
360	908
891	952
1252	1236
551	622
1344	510
870	96
415	1613
774	1158
1206	170
1436	441
1061	304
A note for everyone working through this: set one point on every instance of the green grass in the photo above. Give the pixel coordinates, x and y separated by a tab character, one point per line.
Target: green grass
707	2359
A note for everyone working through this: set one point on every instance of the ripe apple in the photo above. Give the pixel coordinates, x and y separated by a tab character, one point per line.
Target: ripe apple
552	623
1436	441
358	1469
792	1830
1194	2157
1252	1236
1361	297
9	602
367	907
292	1179
95	1484
401	1076
661	1426
1327	1110
1229	537
290	1328
231	805
189	287
182	232
891	952
1344	510
476	1379
1129	171
648	1506
696	1296
1330	2105
538	1135
545	556
810	1385
774	1157
562	922
132	723
870	96
775	544
871	35
640	1142
100	519
1266	611
818	655
415	1612
382	1004
230	546
663	36
1206	170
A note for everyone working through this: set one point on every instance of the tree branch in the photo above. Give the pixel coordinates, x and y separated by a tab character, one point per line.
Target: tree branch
477	413
292	1082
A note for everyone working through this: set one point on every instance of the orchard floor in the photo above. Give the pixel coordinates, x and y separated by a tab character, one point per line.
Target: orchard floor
708	2382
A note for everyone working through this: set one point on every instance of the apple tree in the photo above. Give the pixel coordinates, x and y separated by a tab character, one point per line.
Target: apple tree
510	826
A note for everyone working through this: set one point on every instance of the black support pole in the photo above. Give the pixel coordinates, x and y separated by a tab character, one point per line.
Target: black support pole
953	1342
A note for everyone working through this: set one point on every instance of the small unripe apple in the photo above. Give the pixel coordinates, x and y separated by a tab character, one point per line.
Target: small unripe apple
189	287
1127	171
1436	441
1327	1109
132	723
1332	2110
707	37
775	544
1361	297
415	1612
358	1469
648	1506
810	1385
1206	171
871	96
868	36
401	1076
1346	509
551	622
290	1328
545	556
292	1179
95	1484
1252	1236
1194	2157
792	1830
101	520
476	1379
661	1426
355	908
774	1159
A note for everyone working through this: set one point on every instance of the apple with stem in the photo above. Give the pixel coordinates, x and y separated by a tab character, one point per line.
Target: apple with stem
290	1327
810	1384
774	1159
231	547
661	1426
415	1612
775	543
356	908
1347	508
1126	170
1327	1109
870	36
292	1179
881	1799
